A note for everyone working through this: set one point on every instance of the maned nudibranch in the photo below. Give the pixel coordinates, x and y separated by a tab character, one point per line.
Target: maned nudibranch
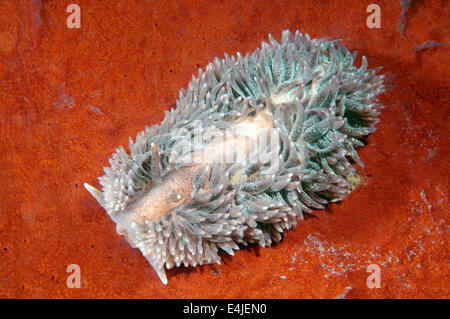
253	143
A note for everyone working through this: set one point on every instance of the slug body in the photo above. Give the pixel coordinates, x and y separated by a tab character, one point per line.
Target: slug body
253	143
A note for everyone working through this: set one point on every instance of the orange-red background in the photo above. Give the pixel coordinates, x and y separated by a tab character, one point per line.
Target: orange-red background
68	97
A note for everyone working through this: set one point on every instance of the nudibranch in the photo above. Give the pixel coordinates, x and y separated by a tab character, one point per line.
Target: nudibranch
253	143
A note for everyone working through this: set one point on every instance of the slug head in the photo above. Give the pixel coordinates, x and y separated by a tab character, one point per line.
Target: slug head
171	191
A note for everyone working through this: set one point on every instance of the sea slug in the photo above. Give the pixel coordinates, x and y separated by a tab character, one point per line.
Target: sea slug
253	143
